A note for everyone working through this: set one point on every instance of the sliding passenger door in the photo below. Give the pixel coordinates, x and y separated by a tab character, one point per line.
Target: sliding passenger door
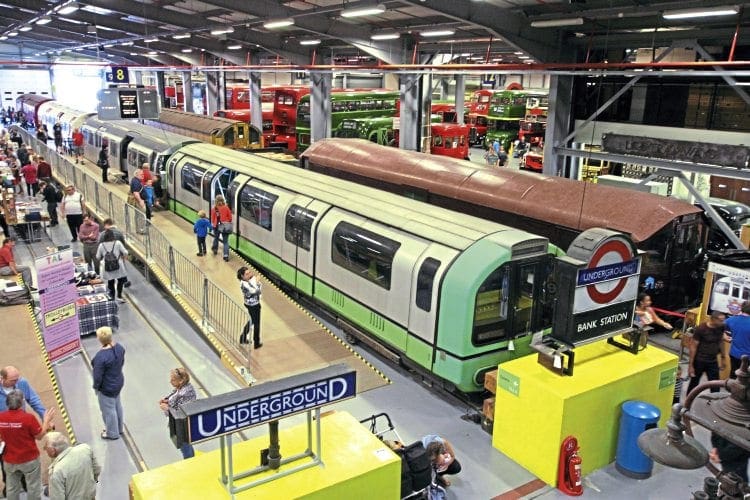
301	216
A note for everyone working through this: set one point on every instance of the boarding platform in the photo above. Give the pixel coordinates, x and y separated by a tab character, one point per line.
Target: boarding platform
207	289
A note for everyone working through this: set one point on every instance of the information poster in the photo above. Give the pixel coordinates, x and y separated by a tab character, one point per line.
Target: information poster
57	297
730	288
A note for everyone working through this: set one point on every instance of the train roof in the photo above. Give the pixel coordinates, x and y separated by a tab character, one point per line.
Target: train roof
193	121
64	113
158	140
565	202
32	99
427	221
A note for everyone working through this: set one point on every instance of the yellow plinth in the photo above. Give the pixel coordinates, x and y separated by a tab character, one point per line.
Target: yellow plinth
535	409
356	465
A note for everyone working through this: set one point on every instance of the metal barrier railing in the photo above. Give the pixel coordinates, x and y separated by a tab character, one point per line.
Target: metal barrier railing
220	314
187	278
227	316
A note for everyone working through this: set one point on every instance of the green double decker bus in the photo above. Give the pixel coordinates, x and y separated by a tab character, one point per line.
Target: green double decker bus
352	105
506	109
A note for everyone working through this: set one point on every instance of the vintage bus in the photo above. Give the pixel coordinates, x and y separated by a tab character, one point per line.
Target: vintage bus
476	117
286	101
447	139
346	104
507	109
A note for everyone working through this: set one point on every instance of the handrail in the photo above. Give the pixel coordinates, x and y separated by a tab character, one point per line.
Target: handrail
220	314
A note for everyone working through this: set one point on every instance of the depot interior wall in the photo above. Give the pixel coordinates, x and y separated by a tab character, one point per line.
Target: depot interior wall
531	425
16	82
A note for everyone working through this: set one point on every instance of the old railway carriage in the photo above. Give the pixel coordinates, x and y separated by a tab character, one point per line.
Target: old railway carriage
213	129
668	231
445	291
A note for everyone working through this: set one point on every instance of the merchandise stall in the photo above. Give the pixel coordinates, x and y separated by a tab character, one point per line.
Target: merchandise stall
93	305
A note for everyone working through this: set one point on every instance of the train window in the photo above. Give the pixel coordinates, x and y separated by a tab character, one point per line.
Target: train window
191	178
425	282
241	132
228	137
364	253
299	223
256	205
491	308
437	141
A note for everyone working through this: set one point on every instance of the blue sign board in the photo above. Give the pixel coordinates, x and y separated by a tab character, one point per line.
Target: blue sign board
608	272
119	74
245	408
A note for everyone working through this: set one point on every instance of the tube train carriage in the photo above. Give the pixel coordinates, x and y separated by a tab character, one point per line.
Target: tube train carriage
670	232
445	291
213	129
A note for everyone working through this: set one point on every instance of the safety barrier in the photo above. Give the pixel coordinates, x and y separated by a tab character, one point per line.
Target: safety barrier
220	313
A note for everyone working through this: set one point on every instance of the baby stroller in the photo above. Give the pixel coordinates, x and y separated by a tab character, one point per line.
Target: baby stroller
418	476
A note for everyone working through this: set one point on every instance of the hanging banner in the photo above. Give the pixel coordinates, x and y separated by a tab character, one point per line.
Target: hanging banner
57	299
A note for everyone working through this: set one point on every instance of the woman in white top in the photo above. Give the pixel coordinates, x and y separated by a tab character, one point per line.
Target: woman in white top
112	250
72	208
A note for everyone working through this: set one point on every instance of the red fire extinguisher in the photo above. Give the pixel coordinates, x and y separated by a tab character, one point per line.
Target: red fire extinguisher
569	468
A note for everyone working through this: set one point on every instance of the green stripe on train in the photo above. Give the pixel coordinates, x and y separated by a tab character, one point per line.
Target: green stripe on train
361	316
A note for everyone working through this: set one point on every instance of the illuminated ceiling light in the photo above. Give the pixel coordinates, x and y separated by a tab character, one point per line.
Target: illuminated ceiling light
109	45
234	47
310	42
385	35
186	51
68	8
44	20
25	28
13	33
134	54
180	37
278	23
126	44
151	40
367	10
430	33
222	30
700	12
153	53
554	23
3	37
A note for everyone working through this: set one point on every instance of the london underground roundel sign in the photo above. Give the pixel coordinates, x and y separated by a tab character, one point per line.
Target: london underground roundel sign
611	274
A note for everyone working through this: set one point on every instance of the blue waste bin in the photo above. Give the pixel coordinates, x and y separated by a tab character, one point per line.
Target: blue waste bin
636	418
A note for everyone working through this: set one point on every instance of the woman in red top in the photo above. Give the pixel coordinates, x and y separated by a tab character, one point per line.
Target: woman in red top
29	176
221	220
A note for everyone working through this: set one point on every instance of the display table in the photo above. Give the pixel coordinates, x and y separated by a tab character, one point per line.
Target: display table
31	220
536	409
356	465
95	311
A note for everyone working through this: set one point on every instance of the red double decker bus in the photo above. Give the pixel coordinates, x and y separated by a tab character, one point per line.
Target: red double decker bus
285	103
479	106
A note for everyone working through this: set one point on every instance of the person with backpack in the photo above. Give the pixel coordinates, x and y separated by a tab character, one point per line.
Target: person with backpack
52	196
111	253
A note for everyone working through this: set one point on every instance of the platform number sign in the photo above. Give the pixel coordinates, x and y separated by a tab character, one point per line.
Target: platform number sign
599	281
119	74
